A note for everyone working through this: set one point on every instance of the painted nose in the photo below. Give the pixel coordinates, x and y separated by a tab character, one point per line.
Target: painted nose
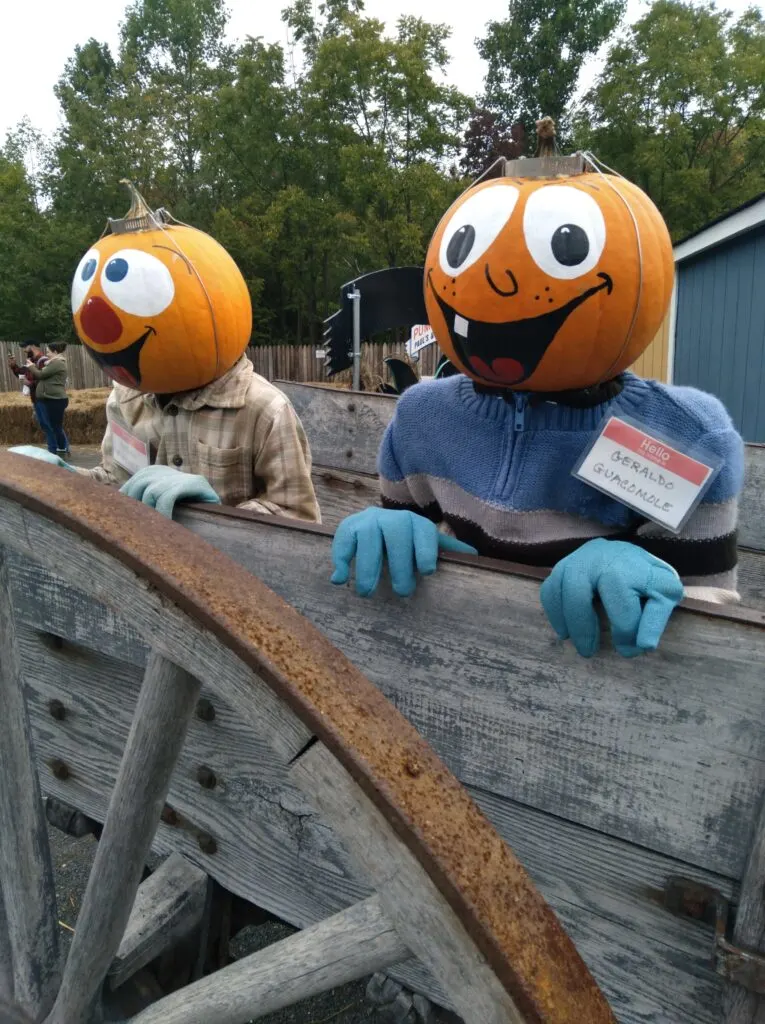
100	322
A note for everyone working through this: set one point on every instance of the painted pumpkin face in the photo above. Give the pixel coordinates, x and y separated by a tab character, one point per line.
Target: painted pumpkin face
162	310
548	284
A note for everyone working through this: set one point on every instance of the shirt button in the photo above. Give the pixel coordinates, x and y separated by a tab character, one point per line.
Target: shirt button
177	461
173	410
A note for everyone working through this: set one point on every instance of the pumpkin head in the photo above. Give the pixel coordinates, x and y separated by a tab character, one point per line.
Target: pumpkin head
160	306
548	284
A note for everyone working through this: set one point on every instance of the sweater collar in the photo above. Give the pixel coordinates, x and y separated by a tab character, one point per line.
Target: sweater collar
582	398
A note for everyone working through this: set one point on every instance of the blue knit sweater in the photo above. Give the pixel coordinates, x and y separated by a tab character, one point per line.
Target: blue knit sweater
498	472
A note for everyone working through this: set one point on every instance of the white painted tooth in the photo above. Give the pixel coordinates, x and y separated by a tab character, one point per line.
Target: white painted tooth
460	325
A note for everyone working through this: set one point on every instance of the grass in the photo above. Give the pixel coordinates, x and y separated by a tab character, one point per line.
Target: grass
84	422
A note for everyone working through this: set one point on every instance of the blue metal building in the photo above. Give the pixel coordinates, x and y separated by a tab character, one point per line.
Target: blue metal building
717	319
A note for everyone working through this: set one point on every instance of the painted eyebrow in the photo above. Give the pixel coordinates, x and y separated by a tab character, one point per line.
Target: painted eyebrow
588	184
175	253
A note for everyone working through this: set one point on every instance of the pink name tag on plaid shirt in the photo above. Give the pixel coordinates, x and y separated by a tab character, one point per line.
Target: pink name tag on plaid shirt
128	450
647	473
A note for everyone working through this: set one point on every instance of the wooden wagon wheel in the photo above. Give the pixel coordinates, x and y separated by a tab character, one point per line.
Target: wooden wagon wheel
447	890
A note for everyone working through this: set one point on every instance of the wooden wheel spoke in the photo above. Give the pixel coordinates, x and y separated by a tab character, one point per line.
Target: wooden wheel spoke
350	945
165	705
31	945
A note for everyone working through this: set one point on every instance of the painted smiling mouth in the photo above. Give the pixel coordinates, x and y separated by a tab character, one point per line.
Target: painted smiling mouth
123	366
508	353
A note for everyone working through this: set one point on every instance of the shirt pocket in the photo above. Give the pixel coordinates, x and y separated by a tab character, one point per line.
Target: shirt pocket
227	470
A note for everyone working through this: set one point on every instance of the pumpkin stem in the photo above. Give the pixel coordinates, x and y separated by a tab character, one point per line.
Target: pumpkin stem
140	216
546	145
138	205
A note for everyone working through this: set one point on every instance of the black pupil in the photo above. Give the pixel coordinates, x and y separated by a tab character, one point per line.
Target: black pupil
570	245
460	245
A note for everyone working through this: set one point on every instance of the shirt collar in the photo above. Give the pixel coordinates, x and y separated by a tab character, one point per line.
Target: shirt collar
226	392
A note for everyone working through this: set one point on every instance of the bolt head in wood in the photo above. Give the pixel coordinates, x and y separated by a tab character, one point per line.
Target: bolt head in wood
349	453
57	710
206	777
206	843
351	407
205	710
60	769
169	815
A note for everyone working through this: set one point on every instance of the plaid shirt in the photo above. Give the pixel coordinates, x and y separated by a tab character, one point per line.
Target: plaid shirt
240	433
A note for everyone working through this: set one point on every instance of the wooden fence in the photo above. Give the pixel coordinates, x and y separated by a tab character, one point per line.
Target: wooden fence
275	362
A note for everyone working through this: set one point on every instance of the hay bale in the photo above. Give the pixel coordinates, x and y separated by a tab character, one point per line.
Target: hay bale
84	422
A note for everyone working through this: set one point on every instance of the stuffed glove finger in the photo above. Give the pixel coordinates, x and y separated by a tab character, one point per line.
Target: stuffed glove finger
189	488
665	592
581	619
398	534
344	549
428	541
567	597
138	482
369	556
623	606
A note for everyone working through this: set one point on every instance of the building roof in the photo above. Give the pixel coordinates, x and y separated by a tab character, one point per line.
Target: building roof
746	217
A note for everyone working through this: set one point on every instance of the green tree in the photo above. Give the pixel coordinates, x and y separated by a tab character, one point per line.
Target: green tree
535	55
34	257
680	109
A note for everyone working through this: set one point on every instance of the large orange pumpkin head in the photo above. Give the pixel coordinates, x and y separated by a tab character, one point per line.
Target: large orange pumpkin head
548	283
161	306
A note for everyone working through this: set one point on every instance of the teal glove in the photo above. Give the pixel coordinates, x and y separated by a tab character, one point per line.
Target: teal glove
408	539
161	487
39	453
639	593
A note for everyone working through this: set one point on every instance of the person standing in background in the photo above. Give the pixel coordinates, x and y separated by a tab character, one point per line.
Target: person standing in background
51	398
33	355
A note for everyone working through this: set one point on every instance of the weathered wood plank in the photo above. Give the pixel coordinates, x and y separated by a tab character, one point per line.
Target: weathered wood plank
26	871
341	494
165	705
409	898
345	947
752	511
168	906
343	429
740	1006
279	855
161	625
666	751
751	578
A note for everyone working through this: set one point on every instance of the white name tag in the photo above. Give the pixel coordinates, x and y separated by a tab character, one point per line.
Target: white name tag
646	473
129	451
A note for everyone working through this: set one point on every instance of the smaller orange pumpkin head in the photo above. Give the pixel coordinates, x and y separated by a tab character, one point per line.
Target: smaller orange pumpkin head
548	283
160	306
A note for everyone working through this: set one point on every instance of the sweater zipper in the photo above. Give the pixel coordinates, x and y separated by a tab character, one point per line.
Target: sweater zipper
519	420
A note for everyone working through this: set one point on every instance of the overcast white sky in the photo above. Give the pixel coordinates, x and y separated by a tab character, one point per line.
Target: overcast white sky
37	37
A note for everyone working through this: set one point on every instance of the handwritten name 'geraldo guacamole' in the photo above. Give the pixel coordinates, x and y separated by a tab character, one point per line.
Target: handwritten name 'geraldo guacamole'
648	475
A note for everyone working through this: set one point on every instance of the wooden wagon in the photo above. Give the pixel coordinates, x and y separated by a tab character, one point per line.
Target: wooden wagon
173	697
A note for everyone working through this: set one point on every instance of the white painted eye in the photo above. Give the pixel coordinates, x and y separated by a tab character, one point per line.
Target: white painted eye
83	277
137	283
565	231
474	226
